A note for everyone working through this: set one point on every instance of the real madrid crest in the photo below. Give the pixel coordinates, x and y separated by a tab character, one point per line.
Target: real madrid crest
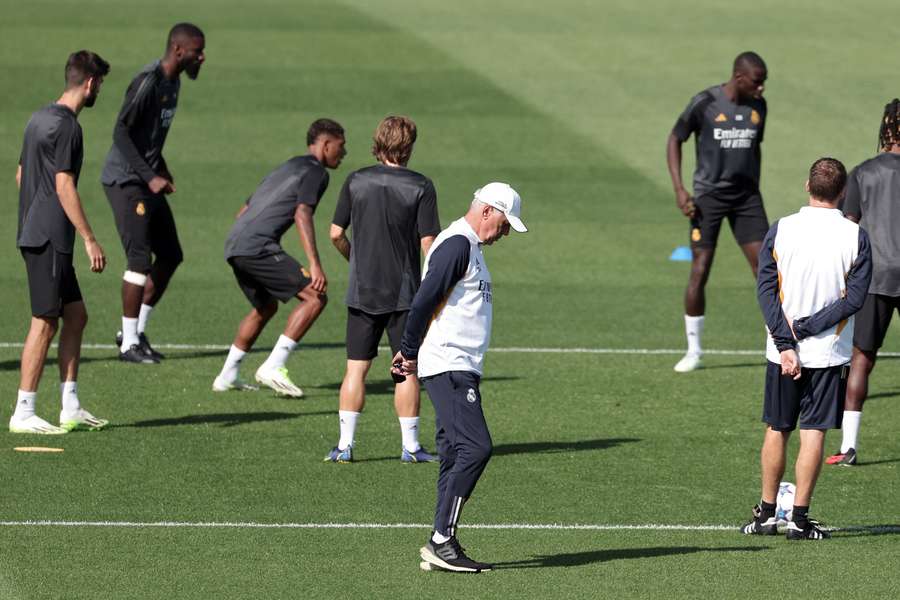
754	117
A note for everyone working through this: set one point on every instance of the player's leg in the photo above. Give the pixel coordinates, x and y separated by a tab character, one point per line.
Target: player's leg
464	446
44	291
821	408
704	234
781	409
285	278
407	399
131	205
72	415
870	326
749	224
166	248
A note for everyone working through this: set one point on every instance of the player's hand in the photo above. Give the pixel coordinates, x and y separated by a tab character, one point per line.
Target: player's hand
95	254
319	281
402	367
790	363
161	185
685	203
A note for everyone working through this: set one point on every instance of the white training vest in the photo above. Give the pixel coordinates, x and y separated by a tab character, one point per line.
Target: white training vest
460	330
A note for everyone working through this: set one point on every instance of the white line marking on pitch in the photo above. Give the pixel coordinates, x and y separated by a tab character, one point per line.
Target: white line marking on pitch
501	526
510	349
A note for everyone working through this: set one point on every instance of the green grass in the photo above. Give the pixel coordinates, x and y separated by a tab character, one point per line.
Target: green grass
571	103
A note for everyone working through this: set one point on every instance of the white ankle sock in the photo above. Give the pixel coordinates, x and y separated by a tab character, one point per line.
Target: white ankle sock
129	333
850	429
232	364
143	317
69	391
693	327
409	433
437	538
25	405
283	348
348	427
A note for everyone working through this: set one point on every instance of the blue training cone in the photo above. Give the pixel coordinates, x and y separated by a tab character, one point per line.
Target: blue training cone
682	253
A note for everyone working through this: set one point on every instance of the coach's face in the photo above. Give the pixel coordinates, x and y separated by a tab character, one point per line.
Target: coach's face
495	225
751	83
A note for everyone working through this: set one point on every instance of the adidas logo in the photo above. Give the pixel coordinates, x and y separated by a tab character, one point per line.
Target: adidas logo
721	118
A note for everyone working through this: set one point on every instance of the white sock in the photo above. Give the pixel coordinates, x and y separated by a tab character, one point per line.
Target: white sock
129	333
25	405
850	429
283	348
143	317
693	327
409	433
348	427
437	538
232	364
69	391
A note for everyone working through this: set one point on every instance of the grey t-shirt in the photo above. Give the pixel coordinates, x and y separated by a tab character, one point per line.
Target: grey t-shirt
873	197
53	144
388	210
270	210
728	136
141	128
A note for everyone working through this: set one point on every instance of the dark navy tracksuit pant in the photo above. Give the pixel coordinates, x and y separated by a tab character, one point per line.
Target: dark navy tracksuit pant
463	442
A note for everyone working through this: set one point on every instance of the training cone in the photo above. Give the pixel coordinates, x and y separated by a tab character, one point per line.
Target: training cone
682	253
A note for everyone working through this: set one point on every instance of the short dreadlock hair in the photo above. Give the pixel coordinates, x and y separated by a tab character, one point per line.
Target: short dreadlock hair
889	134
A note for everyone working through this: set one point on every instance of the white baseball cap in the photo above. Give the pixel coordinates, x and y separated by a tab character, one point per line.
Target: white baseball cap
505	199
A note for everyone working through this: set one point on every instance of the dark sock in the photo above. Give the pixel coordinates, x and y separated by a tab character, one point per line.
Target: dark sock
767	510
800	515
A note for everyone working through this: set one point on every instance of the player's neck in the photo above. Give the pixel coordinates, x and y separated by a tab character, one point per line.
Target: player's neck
816	203
388	163
893	149
72	100
729	88
169	66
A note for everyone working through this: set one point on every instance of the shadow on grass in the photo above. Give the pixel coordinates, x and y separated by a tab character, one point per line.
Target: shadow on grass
386	386
867	530
552	447
735	365
870	463
577	559
890	394
223	419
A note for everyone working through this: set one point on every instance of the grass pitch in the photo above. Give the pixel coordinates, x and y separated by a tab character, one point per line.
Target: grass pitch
571	103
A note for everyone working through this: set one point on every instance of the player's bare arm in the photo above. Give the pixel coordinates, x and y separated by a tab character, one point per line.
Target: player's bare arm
19	177
683	198
426	243
71	203
339	239
303	218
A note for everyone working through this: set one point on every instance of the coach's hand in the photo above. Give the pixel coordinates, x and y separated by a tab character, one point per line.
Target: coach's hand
790	363
401	366
96	254
685	202
319	281
161	185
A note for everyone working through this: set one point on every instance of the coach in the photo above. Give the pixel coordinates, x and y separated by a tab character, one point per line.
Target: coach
456	299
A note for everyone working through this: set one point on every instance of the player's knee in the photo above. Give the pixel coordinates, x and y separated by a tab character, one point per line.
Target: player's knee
481	453
45	327
267	311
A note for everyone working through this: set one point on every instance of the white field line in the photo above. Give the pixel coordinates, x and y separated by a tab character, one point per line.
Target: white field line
510	349
499	526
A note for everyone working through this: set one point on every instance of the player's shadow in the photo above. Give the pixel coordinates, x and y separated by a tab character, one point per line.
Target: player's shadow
577	559
742	365
222	419
863	530
386	386
559	447
870	463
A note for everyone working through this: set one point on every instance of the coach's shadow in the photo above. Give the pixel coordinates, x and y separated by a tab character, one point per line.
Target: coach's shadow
386	386
554	447
577	559
222	419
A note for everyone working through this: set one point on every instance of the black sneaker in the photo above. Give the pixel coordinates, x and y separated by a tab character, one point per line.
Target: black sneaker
843	459
147	349
759	527
136	355
812	531
449	556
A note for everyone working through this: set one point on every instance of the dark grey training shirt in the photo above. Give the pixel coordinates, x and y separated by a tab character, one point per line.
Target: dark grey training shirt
270	210
727	143
873	197
141	128
52	144
389	210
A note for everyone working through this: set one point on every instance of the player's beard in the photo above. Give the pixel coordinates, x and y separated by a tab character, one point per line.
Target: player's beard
193	69
91	98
